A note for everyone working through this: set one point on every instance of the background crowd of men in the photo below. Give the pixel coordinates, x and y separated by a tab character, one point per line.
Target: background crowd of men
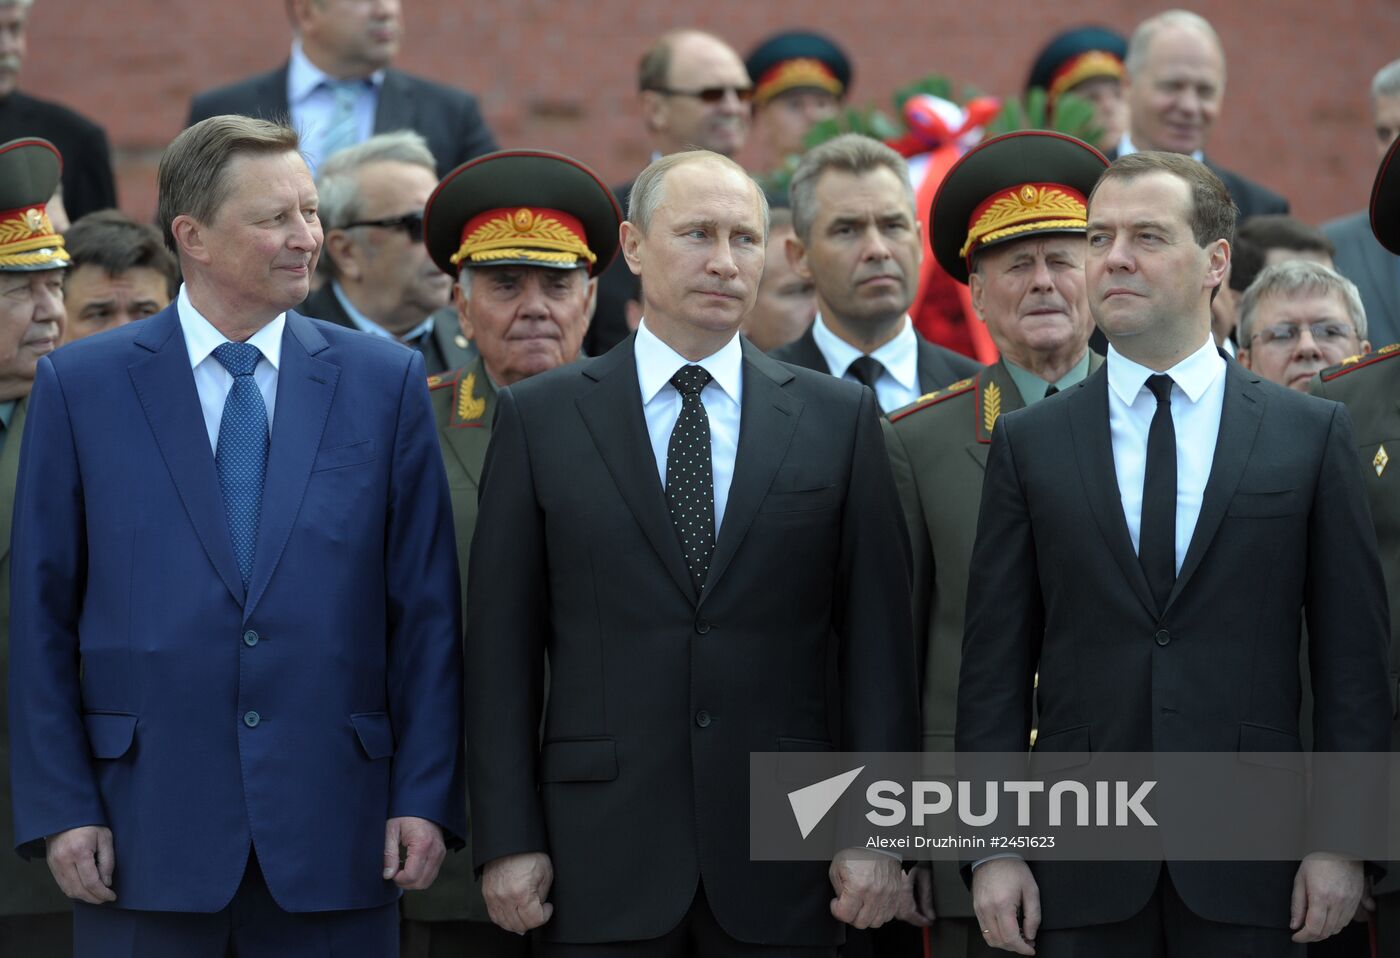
407	468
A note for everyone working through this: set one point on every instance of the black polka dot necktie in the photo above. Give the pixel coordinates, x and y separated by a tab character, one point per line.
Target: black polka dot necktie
690	484
867	370
1157	533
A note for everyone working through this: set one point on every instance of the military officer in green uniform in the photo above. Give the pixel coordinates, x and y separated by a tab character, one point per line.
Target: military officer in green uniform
1370	388
525	233
35	917
1009	222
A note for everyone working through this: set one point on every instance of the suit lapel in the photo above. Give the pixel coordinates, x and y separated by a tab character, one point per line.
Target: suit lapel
612	412
274	93
165	386
467	430
806	352
305	386
767	418
1087	408
1239	424
396	110
9	473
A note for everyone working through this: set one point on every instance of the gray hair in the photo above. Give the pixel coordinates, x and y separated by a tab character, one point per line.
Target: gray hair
649	188
337	180
1387	80
1147	30
1292	278
851	153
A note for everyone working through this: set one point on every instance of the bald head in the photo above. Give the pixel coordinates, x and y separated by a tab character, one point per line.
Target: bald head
694	91
1176	82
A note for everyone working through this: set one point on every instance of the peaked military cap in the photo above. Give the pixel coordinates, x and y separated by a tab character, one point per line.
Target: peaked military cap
1010	187
29	172
1385	201
524	208
797	60
1075	56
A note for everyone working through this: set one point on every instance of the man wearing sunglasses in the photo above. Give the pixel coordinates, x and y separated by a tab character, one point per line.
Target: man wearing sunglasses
381	280
1296	319
695	93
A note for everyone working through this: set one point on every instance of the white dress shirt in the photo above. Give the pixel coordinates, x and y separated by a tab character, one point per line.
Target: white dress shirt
311	102
1197	399
661	404
211	379
898	385
366	325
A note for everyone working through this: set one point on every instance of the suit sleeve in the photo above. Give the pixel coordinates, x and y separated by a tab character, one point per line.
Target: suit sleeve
922	576
1005	621
54	787
507	627
1348	618
879	706
425	648
475	137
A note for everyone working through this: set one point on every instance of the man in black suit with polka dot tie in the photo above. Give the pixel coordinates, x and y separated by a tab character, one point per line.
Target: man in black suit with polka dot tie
703	541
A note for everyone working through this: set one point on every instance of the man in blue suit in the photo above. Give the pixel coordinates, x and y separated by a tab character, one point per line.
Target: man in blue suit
235	654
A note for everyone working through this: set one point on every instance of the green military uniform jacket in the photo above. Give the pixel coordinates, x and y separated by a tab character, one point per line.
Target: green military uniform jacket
938	451
1370	388
464	402
26	888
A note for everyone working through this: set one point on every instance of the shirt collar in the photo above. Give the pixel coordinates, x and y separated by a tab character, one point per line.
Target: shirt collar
366	325
7	411
1126	148
1193	375
899	356
657	363
304	77
201	338
1032	387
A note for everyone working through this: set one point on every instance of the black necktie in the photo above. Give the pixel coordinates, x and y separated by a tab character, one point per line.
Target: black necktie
1051	390
1157	535
867	370
690	484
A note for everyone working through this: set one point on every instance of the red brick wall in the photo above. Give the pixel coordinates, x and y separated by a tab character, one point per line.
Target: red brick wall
560	73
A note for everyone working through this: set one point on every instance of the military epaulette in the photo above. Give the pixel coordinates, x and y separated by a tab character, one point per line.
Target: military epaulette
443	380
1353	363
934	398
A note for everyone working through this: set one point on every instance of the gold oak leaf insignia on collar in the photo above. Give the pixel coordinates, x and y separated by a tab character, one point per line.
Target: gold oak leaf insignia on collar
991	406
469	406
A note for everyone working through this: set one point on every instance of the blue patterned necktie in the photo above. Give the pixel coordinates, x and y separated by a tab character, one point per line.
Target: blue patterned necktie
242	451
341	131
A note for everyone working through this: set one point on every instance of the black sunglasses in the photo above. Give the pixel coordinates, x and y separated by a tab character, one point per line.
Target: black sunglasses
410	223
710	94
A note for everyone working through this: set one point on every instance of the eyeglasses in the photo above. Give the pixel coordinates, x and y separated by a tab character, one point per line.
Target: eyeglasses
410	223
1286	334
710	94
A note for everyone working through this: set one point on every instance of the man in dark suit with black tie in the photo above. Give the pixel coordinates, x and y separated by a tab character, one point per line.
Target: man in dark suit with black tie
1186	468
704	542
338	88
381	281
1175	85
858	239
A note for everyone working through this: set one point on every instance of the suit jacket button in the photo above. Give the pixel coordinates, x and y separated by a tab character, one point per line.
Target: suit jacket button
250	638
1163	637
702	718
251	719
702	627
